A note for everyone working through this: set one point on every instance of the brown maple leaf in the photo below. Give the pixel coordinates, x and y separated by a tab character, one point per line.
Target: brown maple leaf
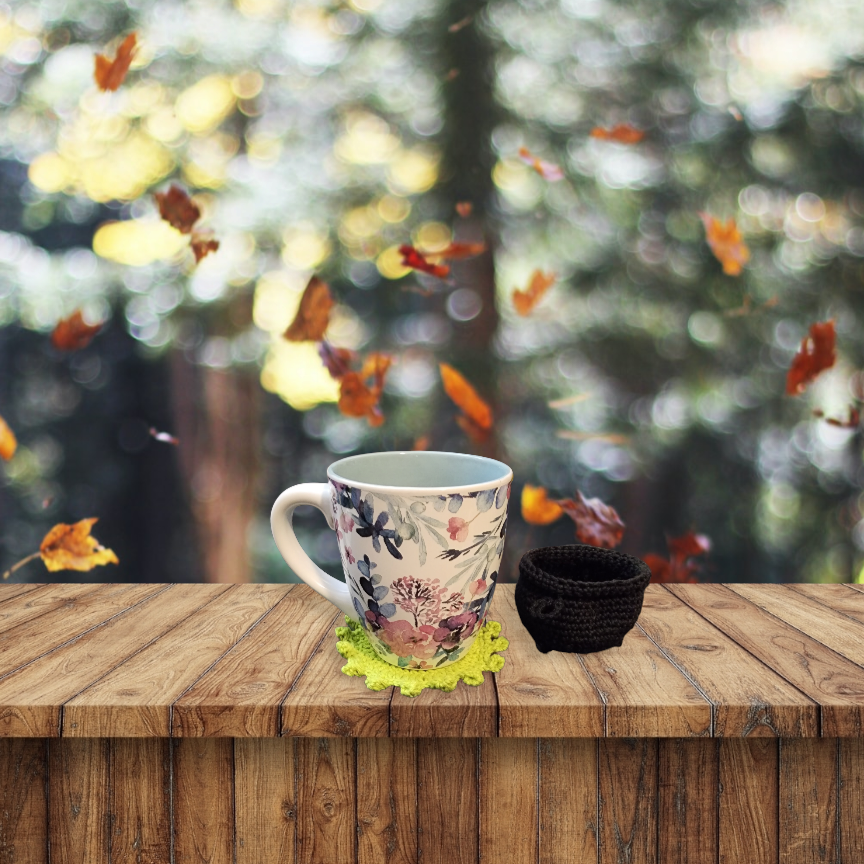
313	314
110	74
597	524
177	208
72	334
816	354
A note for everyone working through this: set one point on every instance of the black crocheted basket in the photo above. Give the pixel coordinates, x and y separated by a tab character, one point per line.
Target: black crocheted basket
578	598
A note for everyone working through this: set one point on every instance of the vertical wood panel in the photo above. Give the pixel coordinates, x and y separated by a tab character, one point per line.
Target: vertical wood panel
326	789
23	808
628	801
140	800
448	800
808	801
78	821
508	800
203	800
687	800
386	801
851	800
748	801
265	800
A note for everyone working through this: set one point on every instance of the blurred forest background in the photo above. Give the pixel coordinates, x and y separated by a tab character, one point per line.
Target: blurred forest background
317	136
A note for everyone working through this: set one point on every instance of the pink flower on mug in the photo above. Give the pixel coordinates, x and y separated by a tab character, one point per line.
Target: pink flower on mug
346	523
405	640
456	628
457	528
477	587
350	555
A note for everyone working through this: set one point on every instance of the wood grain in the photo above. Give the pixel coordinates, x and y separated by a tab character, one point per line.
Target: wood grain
203	800
808	801
386	801
749	698
326	789
79	807
140	800
748	826
545	695
850	799
265	800
509	810
10	592
628	801
687	800
835	683
448	800
840	598
568	800
23	802
241	693
645	695
18	609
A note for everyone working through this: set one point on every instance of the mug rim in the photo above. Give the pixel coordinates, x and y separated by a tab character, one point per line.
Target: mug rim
505	477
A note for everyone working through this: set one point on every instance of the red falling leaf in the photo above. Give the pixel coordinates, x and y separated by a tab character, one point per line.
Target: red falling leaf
313	313
679	567
177	208
547	170
597	524
464	208
815	355
164	437
110	74
457	251
853	422
72	334
417	261
623	133
337	360
202	244
525	301
726	243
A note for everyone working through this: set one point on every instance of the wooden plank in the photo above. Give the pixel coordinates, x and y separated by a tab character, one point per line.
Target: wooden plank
10	592
748	826
627	796
22	608
568	800
140	800
645	695
23	802
509	811
203	800
850	800
808	801
541	695
31	698
448	800
687	800
840	598
386	801
240	695
325	702
134	699
835	683
78	820
326	804
68	620
265	800
748	697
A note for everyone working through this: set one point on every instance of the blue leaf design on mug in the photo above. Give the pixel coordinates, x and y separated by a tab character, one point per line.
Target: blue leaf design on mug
485	500
455	503
380	592
501	497
388	610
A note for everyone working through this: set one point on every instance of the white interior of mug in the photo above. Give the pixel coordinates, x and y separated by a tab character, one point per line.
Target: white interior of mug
422	469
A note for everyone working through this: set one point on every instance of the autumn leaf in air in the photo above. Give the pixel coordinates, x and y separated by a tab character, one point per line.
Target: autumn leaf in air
165	437
313	314
537	508
70	547
421	443
458	251
547	170
464	208
623	133
853	422
679	566
417	261
110	74
358	397
726	243
525	301
202	244
177	208
72	334
597	524
338	361
815	355
476	417
8	441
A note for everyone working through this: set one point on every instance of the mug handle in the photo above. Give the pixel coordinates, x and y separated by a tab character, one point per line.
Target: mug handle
281	524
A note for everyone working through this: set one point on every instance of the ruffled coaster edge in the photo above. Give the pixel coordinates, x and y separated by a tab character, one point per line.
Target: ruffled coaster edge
362	659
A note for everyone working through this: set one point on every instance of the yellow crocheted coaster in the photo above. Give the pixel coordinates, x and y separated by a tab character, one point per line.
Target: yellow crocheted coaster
363	660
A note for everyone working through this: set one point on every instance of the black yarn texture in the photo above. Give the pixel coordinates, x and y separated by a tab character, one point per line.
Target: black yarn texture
579	599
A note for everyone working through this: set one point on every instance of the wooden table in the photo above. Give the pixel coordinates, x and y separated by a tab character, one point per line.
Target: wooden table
191	723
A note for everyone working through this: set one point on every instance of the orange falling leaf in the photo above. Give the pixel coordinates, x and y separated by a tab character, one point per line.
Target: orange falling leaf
597	524
816	354
679	566
421	443
464	208
177	208
72	334
8	441
623	133
337	360
70	547
478	434
540	283
537	508
457	251
547	170
110	74
726	243
202	245
853	422
477	419
313	314
359	399
417	261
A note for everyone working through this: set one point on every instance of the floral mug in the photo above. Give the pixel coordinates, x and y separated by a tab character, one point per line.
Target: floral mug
420	534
